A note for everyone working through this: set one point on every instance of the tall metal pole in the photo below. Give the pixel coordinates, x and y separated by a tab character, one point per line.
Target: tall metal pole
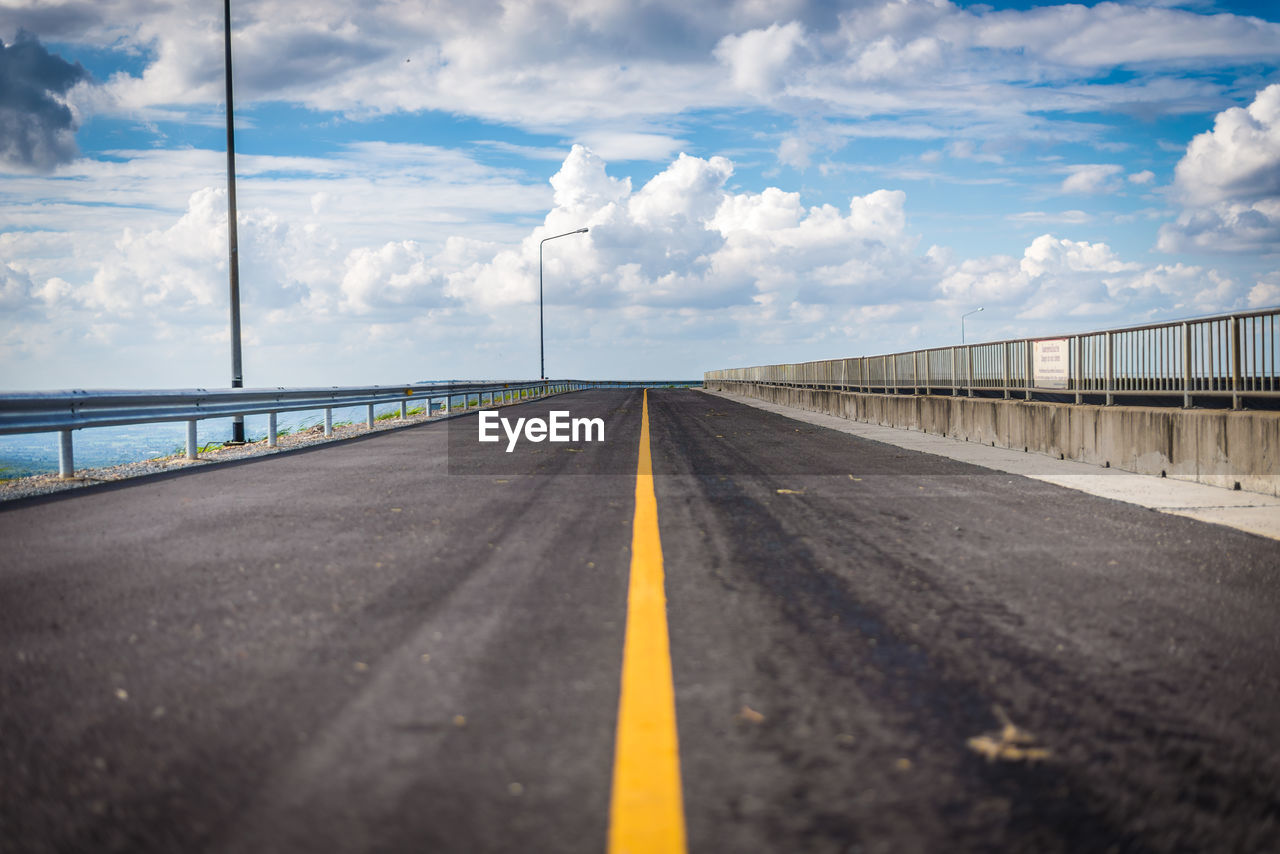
542	362
542	353
237	370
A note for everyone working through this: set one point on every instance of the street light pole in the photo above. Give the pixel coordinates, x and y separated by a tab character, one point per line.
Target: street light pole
237	370
542	361
962	317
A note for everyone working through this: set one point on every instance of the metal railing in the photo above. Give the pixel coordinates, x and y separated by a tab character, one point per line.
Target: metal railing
67	411
1231	356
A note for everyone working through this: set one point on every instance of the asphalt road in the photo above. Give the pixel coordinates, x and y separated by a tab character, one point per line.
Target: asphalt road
413	642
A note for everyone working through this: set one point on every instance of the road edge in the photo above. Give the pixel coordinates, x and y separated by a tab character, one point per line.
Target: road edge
1254	513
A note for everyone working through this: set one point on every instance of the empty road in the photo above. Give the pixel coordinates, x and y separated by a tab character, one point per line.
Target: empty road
415	642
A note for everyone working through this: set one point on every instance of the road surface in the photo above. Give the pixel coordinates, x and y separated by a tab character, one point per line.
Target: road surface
414	642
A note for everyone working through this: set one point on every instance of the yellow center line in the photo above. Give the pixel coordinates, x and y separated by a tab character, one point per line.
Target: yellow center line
647	810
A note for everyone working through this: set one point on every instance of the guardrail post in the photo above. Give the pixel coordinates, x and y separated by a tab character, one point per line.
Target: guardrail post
193	449
1186	365
66	459
328	422
1111	369
369	418
404	409
272	433
1237	383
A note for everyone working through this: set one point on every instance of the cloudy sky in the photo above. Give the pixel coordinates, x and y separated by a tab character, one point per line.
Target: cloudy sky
764	180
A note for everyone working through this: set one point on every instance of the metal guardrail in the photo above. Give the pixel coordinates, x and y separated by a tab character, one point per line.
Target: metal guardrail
1233	356
67	411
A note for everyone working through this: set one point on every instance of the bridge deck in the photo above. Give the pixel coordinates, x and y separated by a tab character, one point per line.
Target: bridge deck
414	642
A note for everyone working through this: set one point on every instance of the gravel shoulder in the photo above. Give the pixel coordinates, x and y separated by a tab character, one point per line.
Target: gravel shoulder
45	484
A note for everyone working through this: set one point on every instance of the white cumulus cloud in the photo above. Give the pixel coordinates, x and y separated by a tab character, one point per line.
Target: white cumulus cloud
1092	178
1229	183
1239	159
759	59
684	263
570	67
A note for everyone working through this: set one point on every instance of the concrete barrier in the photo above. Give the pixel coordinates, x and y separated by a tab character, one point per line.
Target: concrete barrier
1233	449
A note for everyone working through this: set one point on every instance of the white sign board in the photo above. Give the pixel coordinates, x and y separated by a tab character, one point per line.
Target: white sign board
1051	362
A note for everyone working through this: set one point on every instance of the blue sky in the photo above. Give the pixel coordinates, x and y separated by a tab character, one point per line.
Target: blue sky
763	182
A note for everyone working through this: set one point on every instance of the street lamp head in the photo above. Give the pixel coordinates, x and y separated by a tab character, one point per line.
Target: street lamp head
565	234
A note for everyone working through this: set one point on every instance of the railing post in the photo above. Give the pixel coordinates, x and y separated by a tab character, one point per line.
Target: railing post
1029	381
1079	368
193	449
328	422
1005	380
968	372
272	432
928	372
1237	383
66	459
955	373
1186	365
1111	369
